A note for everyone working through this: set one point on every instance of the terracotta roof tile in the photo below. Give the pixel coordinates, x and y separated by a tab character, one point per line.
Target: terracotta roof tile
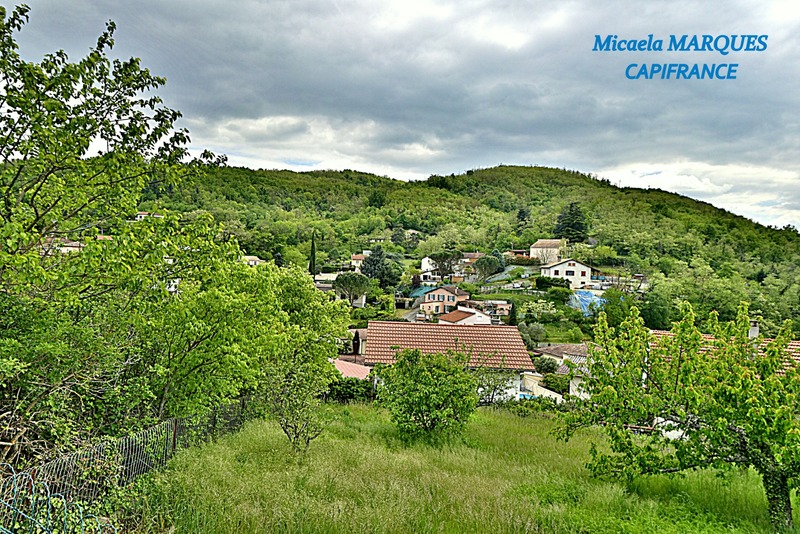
351	370
455	316
792	349
490	345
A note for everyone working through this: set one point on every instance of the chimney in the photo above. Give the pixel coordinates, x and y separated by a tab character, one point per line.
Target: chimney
753	329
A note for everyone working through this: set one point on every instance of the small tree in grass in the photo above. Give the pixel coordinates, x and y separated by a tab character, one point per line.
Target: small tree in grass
293	388
428	395
719	402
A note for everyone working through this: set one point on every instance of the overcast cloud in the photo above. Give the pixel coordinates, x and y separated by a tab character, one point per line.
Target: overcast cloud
413	88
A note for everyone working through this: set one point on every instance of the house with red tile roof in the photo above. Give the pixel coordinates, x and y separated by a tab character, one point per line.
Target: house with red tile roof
489	345
442	300
464	315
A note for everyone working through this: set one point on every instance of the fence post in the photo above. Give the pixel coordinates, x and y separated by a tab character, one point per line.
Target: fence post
174	434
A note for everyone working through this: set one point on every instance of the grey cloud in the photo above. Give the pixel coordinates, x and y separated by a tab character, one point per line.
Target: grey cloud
455	85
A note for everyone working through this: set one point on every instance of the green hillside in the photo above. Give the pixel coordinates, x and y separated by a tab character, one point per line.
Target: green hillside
688	249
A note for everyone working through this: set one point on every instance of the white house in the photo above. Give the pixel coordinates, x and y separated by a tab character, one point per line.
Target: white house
357	260
574	271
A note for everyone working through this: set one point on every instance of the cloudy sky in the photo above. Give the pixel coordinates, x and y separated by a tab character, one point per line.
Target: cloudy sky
412	88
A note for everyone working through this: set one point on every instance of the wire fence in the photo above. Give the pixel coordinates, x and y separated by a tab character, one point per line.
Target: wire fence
46	498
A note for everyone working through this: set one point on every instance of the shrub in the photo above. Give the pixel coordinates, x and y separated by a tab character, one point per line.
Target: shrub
350	389
557	383
545	365
545	282
428	395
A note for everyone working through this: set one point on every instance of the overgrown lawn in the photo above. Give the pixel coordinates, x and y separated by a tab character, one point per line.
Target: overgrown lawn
507	474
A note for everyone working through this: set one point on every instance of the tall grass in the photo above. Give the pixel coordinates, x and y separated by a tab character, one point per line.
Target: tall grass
507	474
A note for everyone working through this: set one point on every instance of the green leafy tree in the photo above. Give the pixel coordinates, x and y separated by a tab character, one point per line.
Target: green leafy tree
572	224
312	263
446	261
486	266
616	306
501	260
531	333
719	403
545	365
559	295
379	267
428	395
50	187
351	285
556	382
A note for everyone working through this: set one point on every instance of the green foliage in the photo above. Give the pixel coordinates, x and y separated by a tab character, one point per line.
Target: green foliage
52	111
446	261
345	389
532	334
559	295
617	306
545	365
712	403
556	382
543	283
572	224
500	259
379	267
486	266
431	396
493	384
351	285
312	263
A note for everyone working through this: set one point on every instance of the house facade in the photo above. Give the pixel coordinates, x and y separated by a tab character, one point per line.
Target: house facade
357	260
442	300
577	273
548	250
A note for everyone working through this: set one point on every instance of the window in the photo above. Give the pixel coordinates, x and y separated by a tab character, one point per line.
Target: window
571	264
436	309
450	298
441	297
555	272
583	273
570	273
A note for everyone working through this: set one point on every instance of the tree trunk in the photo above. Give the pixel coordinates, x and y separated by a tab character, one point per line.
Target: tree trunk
779	501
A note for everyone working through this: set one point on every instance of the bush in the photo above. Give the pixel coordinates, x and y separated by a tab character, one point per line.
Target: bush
532	406
559	295
428	395
545	365
557	383
543	283
350	389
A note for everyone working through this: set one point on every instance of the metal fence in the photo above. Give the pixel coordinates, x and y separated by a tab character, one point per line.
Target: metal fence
29	505
43	499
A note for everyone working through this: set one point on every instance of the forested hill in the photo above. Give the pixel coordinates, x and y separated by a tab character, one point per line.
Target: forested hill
689	249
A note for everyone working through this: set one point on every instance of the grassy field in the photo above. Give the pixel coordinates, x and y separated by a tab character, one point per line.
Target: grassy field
507	474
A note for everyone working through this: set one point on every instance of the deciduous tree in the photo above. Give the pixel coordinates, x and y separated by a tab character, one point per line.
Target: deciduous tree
351	285
719	402
428	395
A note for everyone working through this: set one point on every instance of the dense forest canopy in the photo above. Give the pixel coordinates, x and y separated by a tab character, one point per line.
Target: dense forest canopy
687	248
